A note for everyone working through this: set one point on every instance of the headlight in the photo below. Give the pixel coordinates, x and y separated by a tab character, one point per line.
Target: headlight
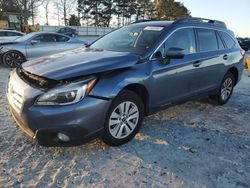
68	93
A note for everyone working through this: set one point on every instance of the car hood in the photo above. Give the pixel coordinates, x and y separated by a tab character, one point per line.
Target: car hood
80	62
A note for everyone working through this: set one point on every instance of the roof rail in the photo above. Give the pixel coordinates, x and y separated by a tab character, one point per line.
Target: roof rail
139	21
200	20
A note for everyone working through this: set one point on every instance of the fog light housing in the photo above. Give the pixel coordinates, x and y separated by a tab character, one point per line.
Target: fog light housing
63	137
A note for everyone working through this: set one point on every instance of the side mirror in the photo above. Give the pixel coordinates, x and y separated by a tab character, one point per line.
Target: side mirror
33	42
173	53
87	44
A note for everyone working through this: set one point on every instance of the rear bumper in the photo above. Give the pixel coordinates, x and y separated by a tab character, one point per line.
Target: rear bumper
82	121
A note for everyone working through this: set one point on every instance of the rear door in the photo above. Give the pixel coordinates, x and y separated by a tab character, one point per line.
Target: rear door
212	56
64	43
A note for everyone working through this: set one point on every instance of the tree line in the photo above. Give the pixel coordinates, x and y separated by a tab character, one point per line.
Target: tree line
101	12
98	12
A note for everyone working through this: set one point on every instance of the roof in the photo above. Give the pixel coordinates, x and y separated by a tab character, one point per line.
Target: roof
185	20
153	23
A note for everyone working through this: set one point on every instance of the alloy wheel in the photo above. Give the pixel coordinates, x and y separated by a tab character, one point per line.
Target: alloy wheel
13	59
123	120
226	88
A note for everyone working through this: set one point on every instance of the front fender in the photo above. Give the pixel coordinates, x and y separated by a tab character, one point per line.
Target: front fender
19	48
111	83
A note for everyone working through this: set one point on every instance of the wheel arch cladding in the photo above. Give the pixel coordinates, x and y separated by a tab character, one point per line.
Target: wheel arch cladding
142	92
235	72
16	51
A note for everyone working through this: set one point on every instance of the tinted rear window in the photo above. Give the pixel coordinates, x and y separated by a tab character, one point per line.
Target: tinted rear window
230	43
207	40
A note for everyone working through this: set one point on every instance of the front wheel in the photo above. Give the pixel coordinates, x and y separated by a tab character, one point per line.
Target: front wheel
226	89
124	118
13	59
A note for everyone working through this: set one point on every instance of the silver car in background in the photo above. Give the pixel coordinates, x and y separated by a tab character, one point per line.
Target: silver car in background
34	45
10	35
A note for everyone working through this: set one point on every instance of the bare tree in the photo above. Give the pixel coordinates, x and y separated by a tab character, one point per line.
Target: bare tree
65	7
27	8
46	7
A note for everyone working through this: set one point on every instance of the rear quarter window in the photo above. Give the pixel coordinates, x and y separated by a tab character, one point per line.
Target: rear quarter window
230	43
220	43
207	40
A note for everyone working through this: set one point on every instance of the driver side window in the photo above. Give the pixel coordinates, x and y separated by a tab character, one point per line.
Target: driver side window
183	38
45	38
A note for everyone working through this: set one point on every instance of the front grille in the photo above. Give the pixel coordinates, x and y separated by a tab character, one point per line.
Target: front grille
35	80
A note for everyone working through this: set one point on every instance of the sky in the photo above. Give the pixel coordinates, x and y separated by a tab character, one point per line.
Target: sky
235	13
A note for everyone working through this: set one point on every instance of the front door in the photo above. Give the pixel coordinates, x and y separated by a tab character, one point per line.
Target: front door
179	78
41	45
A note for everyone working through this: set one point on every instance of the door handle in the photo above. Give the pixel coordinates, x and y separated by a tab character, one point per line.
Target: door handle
225	57
197	63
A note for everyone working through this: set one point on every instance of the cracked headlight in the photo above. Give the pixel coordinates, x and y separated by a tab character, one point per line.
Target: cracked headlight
68	93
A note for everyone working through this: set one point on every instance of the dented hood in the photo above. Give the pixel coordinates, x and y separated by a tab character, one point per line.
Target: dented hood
79	62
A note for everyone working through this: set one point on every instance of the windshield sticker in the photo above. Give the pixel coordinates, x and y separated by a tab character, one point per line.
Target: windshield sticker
153	28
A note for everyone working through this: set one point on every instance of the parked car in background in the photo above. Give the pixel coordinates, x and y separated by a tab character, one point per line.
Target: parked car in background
68	31
9	35
34	45
106	89
245	45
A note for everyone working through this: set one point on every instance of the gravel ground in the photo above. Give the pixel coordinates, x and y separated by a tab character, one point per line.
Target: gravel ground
196	144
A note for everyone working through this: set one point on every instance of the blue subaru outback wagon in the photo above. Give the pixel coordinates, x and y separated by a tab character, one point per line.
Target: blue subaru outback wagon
105	89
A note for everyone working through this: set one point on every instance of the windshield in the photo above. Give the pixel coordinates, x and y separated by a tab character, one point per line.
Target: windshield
25	37
135	39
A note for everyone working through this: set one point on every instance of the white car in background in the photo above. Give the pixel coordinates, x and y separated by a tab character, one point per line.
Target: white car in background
9	35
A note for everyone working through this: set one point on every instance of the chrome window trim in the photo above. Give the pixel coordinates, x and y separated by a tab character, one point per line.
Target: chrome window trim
186	27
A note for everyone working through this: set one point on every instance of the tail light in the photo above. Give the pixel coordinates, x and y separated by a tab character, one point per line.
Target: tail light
242	52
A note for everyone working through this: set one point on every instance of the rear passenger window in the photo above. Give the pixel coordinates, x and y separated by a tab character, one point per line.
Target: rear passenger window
230	43
207	40
60	38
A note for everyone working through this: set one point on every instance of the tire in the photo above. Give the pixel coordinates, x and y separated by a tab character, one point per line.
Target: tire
119	127
13	59
225	90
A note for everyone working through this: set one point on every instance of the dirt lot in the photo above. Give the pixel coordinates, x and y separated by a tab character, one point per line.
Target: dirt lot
197	144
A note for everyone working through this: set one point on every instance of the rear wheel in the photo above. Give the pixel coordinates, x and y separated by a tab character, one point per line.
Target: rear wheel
13	59
226	89
124	118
